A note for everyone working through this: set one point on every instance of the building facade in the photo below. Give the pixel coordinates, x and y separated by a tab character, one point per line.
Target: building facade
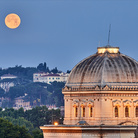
50	77
101	98
19	102
103	89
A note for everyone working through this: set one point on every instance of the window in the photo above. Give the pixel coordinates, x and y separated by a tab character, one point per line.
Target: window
126	111
83	112
116	111
76	111
90	111
136	111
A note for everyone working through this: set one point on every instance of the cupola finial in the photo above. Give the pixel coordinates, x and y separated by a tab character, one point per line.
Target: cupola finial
109	35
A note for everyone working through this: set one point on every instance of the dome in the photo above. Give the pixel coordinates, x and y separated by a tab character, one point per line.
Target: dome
107	67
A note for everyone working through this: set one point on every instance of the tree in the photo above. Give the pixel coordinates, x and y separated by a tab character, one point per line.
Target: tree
37	133
68	71
8	130
55	70
21	122
2	92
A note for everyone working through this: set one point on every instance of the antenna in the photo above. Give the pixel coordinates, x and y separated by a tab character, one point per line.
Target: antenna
99	44
109	34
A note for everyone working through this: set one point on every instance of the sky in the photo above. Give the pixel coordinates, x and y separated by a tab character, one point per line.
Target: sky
63	32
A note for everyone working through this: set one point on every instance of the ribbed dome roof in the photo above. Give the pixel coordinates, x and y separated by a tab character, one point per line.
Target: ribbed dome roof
107	67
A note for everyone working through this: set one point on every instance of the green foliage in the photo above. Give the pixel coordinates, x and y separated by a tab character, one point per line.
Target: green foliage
55	70
8	130
36	133
56	96
21	72
37	93
16	91
38	116
43	67
68	71
21	122
2	92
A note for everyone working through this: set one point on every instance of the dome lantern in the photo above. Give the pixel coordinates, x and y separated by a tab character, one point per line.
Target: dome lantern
108	49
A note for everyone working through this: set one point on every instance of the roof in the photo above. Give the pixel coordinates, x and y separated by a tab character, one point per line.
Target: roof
104	69
8	75
50	75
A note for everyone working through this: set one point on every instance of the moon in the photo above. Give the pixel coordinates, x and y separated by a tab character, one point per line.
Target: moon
12	20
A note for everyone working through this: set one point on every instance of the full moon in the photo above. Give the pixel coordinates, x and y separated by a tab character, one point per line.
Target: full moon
12	21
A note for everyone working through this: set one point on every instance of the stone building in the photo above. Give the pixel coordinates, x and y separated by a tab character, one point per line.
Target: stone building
101	97
50	77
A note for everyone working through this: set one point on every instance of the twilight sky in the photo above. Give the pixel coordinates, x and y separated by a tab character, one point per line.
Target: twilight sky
63	32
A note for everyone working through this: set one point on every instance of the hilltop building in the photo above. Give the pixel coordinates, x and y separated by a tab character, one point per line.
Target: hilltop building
19	102
5	84
50	77
8	76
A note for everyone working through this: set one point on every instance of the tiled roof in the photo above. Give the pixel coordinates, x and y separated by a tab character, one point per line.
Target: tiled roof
50	75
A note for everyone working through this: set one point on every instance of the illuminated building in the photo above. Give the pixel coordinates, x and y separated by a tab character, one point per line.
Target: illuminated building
50	77
101	97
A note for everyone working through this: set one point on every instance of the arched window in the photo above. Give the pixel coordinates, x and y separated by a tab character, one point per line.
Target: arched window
126	111
90	111
76	111
136	111
82	111
116	111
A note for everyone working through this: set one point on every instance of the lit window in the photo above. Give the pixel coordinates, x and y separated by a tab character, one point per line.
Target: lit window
126	111
90	111
76	111
116	111
136	111
83	111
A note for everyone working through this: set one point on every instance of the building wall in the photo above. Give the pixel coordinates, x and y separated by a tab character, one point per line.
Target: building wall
88	132
48	78
103	108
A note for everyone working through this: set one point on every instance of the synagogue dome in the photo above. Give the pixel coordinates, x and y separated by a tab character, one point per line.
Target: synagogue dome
107	67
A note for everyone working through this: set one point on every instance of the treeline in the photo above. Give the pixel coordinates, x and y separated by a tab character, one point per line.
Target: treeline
27	72
37	93
27	122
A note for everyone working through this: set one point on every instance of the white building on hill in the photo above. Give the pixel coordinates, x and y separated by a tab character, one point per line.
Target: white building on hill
50	77
7	84
8	76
